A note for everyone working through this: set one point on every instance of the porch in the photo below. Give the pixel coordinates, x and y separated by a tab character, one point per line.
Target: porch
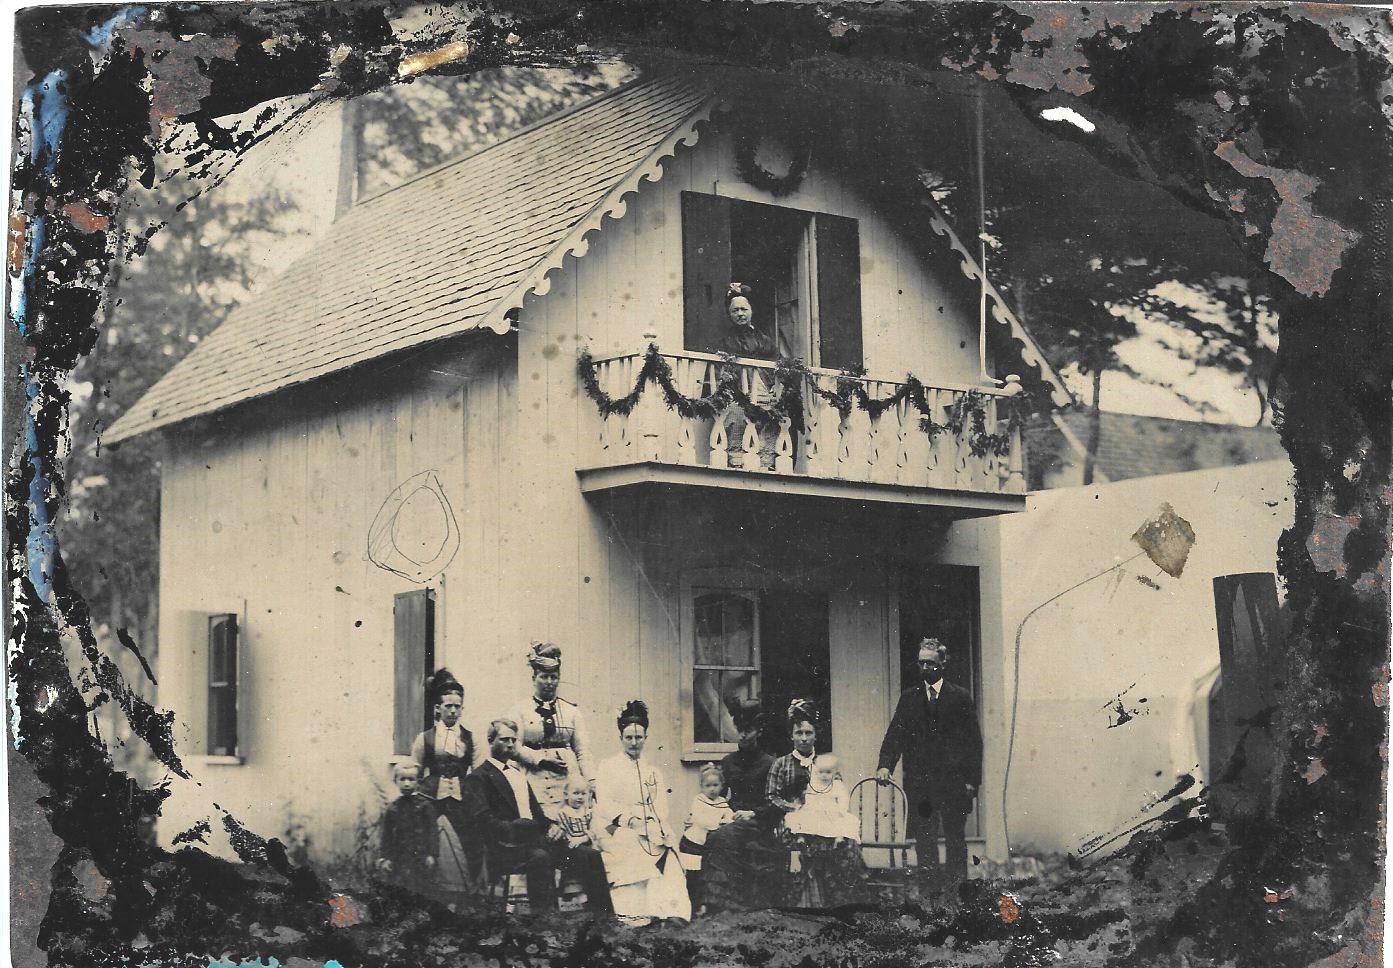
703	420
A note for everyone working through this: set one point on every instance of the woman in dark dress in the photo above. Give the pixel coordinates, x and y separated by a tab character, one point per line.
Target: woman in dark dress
743	861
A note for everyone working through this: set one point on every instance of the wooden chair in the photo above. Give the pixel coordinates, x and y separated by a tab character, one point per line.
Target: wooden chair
884	814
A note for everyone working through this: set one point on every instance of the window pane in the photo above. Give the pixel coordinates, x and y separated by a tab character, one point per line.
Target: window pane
740	632
713	692
710	646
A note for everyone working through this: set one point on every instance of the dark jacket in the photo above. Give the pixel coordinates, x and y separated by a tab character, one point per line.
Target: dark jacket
942	751
409	836
492	812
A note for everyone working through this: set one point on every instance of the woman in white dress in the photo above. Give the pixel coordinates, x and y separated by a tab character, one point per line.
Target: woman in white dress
639	843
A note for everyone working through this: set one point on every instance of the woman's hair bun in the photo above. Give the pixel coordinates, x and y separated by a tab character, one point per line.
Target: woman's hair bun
802	710
634	711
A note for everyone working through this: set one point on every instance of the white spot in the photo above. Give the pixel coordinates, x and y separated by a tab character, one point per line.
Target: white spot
1070	115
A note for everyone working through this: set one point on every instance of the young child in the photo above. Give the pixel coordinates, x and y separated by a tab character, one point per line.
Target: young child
408	832
710	810
824	811
575	813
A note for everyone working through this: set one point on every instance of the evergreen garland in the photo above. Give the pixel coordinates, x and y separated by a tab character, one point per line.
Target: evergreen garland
967	415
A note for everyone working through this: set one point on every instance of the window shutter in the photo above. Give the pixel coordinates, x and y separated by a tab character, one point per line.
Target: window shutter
839	292
413	624
222	685
705	269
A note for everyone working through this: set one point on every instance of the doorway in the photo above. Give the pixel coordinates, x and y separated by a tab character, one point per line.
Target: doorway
943	602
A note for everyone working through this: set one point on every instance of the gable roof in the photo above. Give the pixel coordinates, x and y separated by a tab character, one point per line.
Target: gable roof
501	221
378	282
1131	445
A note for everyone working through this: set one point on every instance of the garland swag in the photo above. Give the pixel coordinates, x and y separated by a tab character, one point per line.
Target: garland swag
966	414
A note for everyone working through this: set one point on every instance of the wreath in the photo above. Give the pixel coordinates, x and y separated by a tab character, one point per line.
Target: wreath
753	174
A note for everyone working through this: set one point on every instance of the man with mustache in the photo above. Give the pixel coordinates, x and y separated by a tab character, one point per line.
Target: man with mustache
935	731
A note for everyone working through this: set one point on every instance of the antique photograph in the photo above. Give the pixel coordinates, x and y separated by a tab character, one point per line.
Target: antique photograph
564	482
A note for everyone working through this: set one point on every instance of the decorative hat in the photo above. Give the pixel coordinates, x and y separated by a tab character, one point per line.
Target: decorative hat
544	657
443	683
746	713
802	710
633	711
738	289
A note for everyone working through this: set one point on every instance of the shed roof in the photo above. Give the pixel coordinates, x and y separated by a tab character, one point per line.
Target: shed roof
453	250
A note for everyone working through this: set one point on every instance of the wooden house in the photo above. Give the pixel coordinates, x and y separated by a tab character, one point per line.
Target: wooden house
391	460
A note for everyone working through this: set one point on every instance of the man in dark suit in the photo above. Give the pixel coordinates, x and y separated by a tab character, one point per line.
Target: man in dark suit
505	821
935	730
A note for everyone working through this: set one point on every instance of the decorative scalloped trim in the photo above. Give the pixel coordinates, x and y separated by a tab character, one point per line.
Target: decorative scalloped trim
1001	313
614	205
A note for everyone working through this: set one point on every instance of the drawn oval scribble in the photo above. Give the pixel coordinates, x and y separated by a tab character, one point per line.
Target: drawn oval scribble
414	533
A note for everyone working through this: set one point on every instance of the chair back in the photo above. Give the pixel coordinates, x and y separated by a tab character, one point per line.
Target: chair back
883	811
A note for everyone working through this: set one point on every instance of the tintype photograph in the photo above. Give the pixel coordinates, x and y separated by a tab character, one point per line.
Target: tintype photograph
689	484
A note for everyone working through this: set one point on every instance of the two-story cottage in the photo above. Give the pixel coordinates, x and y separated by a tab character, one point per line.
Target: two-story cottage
391	460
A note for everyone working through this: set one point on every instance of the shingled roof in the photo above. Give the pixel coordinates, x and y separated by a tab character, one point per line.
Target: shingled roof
453	250
458	249
1136	446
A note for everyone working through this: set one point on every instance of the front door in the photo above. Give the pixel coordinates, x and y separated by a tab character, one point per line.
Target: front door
941	601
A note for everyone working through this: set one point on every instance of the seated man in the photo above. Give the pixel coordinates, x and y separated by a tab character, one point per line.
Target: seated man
505	820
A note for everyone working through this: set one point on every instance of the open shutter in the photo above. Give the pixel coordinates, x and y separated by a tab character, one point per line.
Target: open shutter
705	270
413	624
839	292
222	685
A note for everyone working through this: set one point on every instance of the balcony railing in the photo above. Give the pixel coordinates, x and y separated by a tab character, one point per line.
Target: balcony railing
966	443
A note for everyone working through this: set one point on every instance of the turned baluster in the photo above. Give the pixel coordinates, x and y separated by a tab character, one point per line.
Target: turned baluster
687	379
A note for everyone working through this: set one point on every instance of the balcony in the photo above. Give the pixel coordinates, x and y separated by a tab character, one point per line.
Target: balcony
819	432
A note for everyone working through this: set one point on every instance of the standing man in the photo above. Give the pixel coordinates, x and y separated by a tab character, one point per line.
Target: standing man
506	821
445	752
935	730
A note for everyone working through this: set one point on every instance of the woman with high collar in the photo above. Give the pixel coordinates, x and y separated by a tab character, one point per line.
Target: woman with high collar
551	742
638	840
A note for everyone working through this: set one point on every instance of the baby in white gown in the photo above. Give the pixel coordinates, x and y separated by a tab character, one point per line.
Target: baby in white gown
824	811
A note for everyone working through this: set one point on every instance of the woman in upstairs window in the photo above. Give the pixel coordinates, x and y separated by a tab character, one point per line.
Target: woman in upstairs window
743	337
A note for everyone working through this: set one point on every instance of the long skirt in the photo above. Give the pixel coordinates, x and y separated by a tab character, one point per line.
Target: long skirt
832	871
745	867
645	881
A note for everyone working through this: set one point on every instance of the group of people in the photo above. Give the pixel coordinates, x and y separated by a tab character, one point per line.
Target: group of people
762	831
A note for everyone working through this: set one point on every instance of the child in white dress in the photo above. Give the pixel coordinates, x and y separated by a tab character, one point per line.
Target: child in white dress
710	809
824	811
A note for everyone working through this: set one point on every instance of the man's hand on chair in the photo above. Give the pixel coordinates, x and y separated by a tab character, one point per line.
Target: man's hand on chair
882	776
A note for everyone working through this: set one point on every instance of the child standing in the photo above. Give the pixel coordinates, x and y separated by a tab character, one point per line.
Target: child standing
710	809
408	832
825	812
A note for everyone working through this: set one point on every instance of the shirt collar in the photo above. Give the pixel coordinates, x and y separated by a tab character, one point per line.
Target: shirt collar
500	765
806	761
934	689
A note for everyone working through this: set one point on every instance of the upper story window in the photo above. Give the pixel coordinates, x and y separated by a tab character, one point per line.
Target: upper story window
803	270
